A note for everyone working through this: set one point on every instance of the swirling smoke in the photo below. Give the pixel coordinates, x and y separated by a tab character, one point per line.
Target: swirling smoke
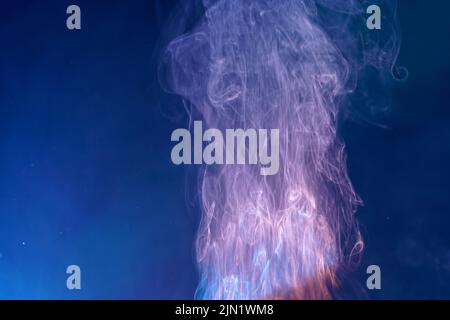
290	65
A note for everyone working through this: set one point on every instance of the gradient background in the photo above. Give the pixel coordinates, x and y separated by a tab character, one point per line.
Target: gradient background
86	176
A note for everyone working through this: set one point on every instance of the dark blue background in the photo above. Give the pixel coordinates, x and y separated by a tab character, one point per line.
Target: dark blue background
86	176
